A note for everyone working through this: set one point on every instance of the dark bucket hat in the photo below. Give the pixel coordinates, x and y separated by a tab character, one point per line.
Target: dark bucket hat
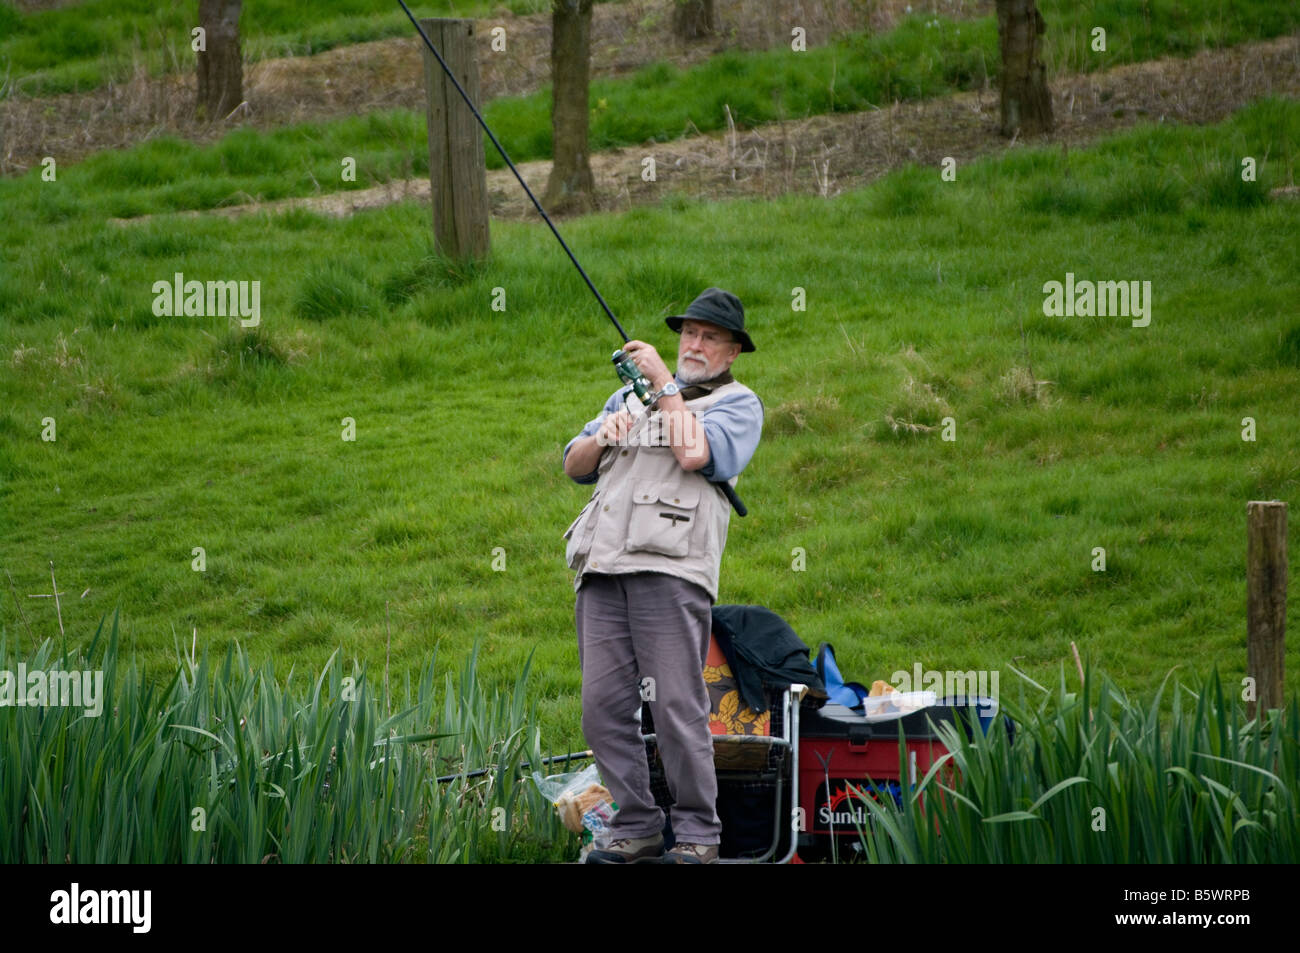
717	307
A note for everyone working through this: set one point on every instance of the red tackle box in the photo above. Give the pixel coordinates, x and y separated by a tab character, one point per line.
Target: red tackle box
840	750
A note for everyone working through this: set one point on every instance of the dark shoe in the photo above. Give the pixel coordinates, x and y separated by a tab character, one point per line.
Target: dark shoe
691	854
634	850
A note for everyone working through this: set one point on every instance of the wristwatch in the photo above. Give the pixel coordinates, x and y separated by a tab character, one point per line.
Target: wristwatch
669	389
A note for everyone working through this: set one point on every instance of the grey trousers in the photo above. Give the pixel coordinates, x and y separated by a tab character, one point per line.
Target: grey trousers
654	626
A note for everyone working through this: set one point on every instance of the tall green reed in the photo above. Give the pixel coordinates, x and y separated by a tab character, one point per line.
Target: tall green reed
226	764
1093	777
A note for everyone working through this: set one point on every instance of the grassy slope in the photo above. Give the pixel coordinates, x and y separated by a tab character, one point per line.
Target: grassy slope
176	432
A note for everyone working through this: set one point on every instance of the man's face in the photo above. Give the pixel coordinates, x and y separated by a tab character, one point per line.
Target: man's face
705	351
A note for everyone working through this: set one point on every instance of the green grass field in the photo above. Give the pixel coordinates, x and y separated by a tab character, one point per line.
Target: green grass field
924	302
427	551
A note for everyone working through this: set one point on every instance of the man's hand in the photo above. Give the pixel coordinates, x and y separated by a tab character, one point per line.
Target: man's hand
613	431
584	456
649	362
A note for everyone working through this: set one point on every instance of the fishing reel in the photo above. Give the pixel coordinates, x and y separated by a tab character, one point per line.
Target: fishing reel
629	373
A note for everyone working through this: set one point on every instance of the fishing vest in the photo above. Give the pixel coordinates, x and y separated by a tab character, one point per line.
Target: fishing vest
647	514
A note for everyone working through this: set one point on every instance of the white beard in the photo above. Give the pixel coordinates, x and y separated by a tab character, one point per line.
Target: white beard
692	372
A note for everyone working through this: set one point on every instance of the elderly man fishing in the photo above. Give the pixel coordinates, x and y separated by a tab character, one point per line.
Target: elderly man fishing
647	549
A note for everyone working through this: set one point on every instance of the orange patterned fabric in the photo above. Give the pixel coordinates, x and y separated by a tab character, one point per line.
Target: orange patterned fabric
727	716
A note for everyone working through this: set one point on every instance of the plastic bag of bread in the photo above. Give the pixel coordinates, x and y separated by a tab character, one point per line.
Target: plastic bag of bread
574	806
579	798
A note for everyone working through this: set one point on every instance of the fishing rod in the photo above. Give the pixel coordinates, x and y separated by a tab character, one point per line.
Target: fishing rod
479	772
626	367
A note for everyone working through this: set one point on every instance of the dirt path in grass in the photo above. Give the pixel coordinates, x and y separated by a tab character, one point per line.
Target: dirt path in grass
825	155
388	74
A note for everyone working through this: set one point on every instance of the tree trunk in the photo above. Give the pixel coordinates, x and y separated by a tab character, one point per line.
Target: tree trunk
693	19
1026	100
221	67
571	185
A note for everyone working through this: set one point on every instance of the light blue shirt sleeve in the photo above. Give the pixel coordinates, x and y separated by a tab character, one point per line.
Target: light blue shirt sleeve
614	403
732	426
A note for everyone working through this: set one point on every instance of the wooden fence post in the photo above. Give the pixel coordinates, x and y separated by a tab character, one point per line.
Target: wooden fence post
1266	570
457	173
